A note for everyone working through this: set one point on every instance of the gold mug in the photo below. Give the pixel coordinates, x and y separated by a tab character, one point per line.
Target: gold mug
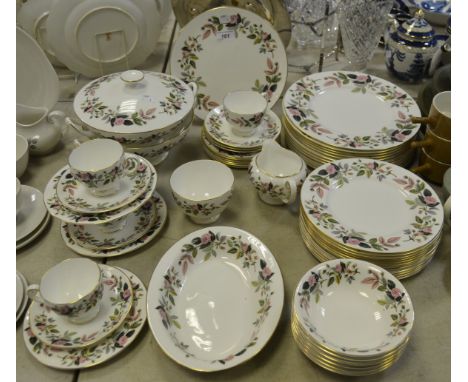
436	146
430	168
439	118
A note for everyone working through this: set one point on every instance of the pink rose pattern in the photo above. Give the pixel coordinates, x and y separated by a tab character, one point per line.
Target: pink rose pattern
208	244
298	109
423	202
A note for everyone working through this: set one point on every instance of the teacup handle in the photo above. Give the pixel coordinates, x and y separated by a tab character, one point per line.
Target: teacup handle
133	169
291	185
448	210
80	129
33	293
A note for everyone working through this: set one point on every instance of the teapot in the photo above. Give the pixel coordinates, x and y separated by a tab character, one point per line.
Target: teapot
410	46
42	129
277	173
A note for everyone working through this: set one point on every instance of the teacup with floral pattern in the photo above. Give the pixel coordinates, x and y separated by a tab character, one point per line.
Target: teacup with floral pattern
72	288
244	110
99	165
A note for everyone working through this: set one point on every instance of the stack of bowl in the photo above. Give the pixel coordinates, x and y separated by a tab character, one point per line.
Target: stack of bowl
234	133
106	200
371	210
147	112
335	115
351	317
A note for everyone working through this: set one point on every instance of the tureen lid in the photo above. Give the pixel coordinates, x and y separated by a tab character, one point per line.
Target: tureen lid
133	101
417	28
37	83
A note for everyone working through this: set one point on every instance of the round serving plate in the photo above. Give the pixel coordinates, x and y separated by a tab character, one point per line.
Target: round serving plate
372	113
207	52
111	346
215	298
353	307
372	206
155	229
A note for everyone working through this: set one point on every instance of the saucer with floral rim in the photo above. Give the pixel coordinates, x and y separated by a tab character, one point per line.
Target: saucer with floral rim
55	330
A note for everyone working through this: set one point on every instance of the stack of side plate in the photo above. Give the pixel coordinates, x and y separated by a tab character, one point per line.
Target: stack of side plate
336	115
112	225
63	345
371	210
351	317
222	144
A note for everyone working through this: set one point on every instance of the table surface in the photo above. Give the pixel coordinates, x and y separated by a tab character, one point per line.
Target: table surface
427	357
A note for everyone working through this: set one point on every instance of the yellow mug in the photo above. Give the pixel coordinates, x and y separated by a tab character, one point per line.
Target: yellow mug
430	168
437	147
439	118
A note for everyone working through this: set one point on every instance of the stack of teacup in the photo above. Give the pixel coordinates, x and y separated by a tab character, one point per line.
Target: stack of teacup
106	199
234	132
83	313
435	156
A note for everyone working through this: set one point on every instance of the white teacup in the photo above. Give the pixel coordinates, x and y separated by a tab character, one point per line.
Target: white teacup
244	110
99	165
72	289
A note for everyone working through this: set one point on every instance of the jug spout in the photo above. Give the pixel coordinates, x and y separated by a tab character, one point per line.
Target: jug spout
278	161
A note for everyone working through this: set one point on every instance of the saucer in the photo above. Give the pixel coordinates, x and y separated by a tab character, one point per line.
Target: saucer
59	211
33	235
136	225
220	130
161	215
113	345
55	330
24	299
75	196
32	211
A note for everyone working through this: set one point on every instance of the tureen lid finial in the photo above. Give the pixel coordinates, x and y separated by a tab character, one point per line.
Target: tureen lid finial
132	76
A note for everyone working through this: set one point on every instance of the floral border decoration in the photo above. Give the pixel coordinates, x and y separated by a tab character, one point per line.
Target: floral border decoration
392	298
421	201
208	244
301	92
238	25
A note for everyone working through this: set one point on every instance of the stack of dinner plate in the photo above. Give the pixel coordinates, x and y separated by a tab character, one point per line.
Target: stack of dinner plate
222	144
351	317
336	115
371	210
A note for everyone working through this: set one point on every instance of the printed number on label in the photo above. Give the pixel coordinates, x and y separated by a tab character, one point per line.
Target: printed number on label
226	35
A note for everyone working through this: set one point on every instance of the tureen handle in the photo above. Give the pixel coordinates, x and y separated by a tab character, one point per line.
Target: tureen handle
80	129
292	187
194	88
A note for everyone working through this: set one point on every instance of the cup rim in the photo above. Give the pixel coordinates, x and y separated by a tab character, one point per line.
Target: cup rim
435	99
432	159
185	166
94	171
226	108
278	176
76	300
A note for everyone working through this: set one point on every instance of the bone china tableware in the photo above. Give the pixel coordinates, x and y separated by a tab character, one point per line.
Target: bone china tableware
155	228
323	133
34	234
20	291
207	52
351	317
71	288
18	193
31	213
98	164
111	346
22	155
24	298
215	299
54	330
371	210
277	174
202	189
244	111
36	120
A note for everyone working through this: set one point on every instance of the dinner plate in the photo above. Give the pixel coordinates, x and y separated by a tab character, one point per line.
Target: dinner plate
215	298
351	110
226	49
372	205
31	213
353	307
135	179
111	346
53	329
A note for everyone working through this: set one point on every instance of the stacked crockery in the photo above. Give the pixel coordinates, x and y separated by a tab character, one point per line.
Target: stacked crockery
106	200
371	210
351	317
234	133
31	214
335	115
83	314
21	296
147	112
